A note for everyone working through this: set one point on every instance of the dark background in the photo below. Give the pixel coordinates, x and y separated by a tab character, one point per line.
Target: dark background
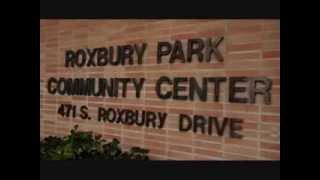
23	84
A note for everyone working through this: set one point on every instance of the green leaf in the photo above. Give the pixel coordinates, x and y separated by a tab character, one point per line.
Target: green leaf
85	145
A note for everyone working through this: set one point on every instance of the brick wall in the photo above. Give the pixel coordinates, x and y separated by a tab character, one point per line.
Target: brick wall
250	48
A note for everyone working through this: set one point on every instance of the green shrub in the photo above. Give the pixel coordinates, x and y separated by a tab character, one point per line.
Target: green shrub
84	145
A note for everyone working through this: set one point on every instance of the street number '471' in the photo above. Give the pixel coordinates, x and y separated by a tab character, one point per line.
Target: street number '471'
69	110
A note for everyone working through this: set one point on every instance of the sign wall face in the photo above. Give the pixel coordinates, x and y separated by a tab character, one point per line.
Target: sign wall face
184	89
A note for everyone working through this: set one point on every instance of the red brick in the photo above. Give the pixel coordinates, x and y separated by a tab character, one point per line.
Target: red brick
244	47
271	118
179	155
270	155
208	152
250	48
180	148
270	146
271	54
